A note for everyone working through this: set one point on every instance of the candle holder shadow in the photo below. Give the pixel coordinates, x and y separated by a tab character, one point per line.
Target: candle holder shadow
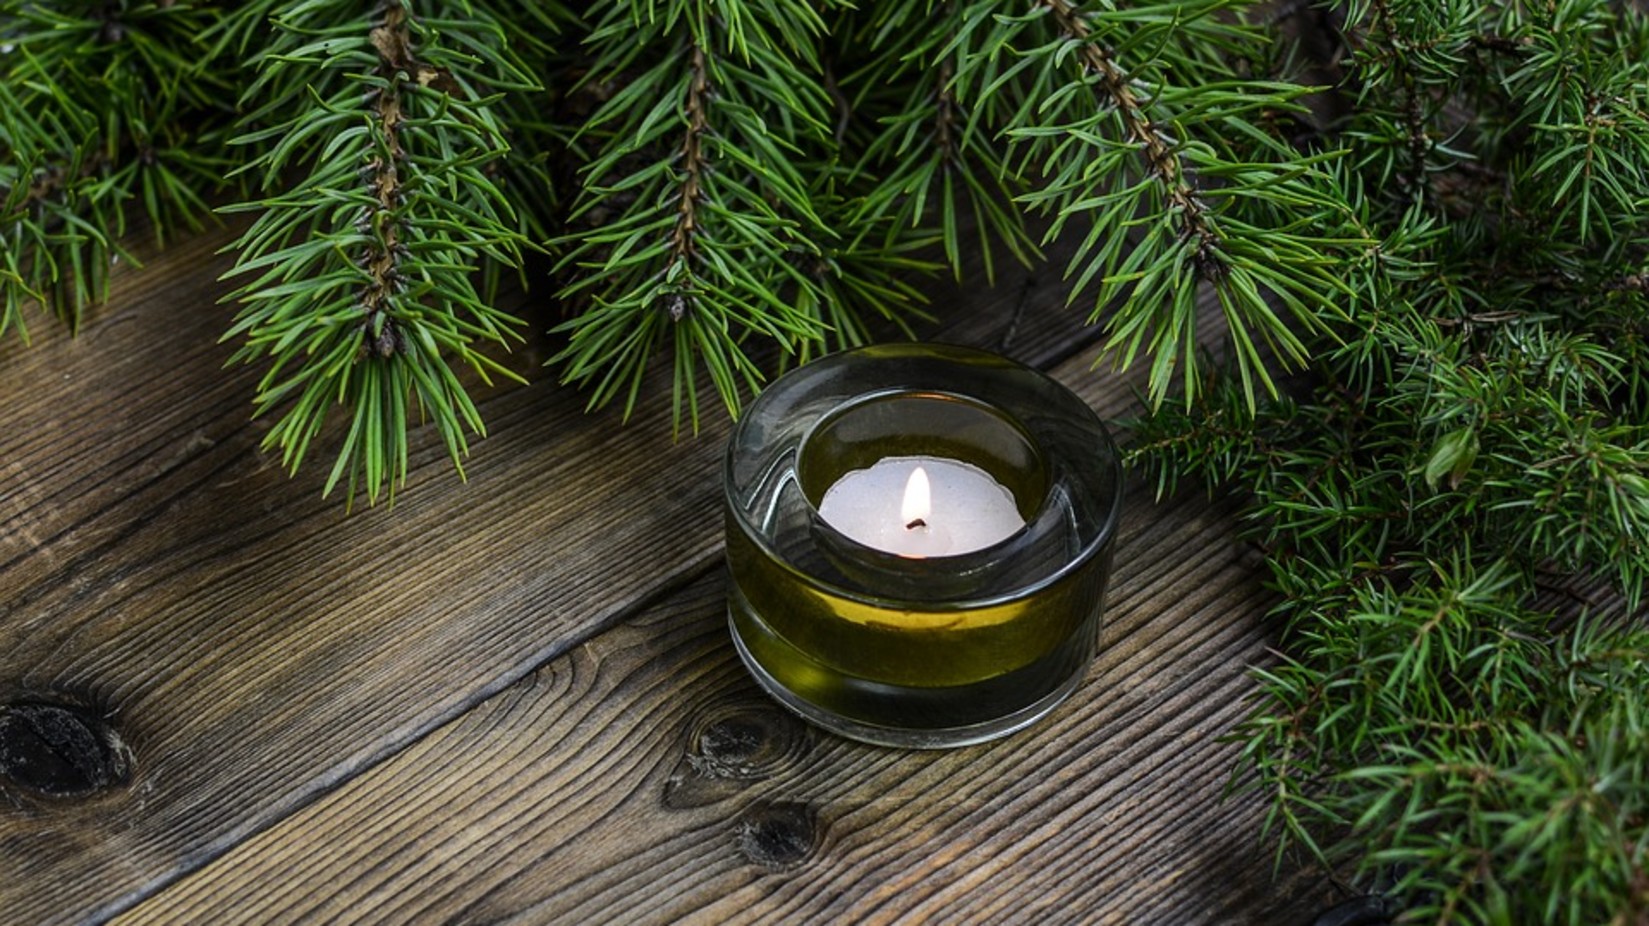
928	652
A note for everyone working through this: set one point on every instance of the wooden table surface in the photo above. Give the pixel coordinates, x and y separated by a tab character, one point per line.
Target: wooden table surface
515	699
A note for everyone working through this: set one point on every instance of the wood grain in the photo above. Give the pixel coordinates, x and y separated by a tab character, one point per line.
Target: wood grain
642	778
253	645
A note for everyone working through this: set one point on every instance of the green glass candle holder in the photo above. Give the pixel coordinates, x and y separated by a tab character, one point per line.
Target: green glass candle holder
954	622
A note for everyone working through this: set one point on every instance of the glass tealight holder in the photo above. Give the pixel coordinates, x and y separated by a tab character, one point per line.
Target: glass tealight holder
947	639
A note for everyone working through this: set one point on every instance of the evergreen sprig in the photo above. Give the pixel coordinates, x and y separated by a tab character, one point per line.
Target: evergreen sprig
1135	123
379	141
719	182
102	106
701	226
1464	465
926	158
714	212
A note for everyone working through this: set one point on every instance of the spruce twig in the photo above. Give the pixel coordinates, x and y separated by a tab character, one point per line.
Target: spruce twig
363	277
1185	208
106	113
711	231
1174	167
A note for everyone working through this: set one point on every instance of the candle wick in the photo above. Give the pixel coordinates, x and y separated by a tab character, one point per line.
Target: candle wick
915	524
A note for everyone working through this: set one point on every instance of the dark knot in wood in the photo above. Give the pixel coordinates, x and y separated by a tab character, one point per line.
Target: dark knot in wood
777	836
60	750
729	747
747	742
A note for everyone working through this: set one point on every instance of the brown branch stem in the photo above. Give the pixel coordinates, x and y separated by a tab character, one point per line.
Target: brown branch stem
1164	162
396	64
683	238
1414	120
944	121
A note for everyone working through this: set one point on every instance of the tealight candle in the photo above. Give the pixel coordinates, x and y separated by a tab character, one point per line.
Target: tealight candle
919	542
922	506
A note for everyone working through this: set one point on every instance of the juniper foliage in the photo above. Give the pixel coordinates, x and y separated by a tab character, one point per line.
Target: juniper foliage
1452	501
1423	222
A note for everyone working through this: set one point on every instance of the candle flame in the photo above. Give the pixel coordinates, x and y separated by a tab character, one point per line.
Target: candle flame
918	505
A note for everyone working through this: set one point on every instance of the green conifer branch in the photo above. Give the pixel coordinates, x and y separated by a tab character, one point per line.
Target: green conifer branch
100	109
695	228
931	161
1476	440
360	279
1168	158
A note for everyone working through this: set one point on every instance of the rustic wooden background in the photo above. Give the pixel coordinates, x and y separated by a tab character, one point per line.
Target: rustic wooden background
515	699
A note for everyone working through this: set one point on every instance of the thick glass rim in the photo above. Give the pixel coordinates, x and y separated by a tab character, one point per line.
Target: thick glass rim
1105	449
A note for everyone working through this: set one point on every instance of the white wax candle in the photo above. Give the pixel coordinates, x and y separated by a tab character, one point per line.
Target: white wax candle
882	507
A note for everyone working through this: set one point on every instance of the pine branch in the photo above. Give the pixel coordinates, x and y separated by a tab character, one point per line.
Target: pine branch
1179	181
1480	427
1185	207
926	160
363	274
696	229
99	110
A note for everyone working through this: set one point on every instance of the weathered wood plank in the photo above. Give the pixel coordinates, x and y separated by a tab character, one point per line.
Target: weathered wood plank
253	645
642	777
